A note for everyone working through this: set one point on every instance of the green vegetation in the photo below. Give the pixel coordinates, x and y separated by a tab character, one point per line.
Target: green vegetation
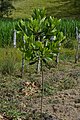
67	26
6	32
40	44
14	105
57	8
10	59
20	97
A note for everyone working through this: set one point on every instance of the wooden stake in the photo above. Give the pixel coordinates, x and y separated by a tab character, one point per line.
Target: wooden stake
14	39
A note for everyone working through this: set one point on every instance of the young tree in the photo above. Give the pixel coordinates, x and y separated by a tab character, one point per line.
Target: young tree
41	40
6	7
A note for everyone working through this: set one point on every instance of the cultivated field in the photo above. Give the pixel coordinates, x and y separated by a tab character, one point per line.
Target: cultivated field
53	93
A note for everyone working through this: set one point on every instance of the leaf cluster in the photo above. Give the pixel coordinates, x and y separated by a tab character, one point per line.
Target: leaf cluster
41	37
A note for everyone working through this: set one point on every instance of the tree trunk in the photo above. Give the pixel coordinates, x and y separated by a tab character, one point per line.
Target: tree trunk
38	66
77	49
42	91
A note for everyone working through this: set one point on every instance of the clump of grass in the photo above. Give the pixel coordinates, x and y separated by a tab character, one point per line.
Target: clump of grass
7	66
9	59
67	55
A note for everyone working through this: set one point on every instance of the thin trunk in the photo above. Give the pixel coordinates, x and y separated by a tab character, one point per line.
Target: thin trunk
57	58
76	33
42	91
38	65
77	49
39	61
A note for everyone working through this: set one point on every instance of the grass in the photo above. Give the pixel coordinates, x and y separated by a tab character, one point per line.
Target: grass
6	32
57	8
68	55
9	60
15	103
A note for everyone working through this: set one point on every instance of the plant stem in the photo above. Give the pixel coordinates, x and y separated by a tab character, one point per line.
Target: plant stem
38	65
42	90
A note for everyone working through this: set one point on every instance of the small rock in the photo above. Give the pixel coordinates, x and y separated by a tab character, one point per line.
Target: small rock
1	117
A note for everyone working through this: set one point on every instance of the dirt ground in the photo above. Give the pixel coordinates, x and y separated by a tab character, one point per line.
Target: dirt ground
61	94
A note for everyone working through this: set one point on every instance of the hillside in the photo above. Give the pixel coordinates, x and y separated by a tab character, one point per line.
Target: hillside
57	8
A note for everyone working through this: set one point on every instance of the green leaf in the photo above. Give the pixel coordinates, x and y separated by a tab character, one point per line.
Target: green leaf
39	44
28	54
48	59
37	32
